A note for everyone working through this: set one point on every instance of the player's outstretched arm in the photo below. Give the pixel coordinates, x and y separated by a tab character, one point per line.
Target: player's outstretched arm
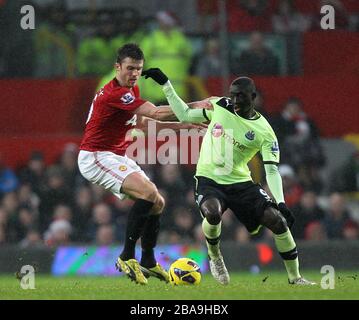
275	185
179	107
163	113
143	124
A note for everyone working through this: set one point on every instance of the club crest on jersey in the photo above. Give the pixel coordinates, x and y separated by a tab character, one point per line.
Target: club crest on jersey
250	135
127	98
122	168
217	130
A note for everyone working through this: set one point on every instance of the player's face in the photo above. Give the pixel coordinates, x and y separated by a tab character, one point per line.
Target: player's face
241	97
129	71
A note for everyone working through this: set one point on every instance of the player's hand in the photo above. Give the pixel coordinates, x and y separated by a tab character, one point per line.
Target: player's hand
287	214
156	74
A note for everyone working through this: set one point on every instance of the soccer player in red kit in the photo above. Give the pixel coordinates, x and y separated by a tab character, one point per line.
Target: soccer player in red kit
102	160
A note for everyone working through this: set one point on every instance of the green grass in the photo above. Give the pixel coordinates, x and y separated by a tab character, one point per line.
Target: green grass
243	286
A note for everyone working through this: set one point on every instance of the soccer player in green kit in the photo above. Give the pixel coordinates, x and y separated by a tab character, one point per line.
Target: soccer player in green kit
223	179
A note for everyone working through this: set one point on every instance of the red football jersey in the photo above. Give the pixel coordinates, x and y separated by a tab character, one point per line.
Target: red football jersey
110	117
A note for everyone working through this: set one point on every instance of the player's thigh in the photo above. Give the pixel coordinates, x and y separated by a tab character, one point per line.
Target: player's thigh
139	187
249	206
108	170
209	197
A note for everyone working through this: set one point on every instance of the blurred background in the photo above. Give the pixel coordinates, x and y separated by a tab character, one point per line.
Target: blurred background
307	80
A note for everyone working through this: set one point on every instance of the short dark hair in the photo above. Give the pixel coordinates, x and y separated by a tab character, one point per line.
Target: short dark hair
130	50
244	81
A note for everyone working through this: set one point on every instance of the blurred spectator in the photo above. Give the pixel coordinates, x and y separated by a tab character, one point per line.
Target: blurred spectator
298	138
351	230
34	172
207	15
292	189
287	20
62	212
69	166
27	197
257	59
94	56
32	240
260	104
346	178
315	231
248	15
3	225
306	212
99	194
183	224
168	47
169	236
102	215
170	179
199	236
82	211
337	216
229	225
241	235
17	49
54	54
129	30
20	224
10	204
208	63
8	179
58	233
105	235
56	192
2	235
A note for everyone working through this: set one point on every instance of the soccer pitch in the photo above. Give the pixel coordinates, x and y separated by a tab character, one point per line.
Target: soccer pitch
243	286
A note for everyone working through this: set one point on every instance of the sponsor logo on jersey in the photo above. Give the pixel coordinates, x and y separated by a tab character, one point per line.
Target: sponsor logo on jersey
217	130
127	98
250	135
275	146
123	168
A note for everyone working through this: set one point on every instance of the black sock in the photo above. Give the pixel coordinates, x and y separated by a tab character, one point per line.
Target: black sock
149	240
137	218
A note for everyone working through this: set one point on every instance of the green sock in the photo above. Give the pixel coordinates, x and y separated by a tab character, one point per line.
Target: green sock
212	233
288	251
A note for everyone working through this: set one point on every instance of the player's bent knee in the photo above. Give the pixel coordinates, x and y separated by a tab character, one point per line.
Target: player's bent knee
213	217
150	194
159	205
212	210
280	224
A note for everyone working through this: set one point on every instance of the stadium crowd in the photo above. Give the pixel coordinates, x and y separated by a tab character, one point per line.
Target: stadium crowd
81	42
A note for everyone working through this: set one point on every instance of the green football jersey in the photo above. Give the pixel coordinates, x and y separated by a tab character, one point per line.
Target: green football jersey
231	142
